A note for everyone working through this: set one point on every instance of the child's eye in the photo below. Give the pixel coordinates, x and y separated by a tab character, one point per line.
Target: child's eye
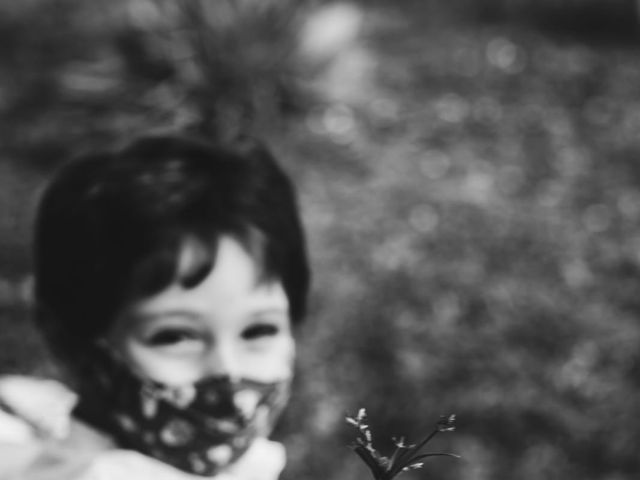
260	330
171	337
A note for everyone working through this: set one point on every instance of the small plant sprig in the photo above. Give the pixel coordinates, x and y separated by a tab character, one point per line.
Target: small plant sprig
405	457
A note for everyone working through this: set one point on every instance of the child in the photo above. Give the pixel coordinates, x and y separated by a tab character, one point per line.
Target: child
168	276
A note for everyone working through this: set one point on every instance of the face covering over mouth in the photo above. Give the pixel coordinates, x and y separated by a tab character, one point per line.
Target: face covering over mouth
199	428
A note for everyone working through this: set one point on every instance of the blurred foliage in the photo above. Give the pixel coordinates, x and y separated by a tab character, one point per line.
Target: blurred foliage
610	19
134	65
469	178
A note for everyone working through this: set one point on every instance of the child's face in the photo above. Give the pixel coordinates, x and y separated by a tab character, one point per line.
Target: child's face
229	324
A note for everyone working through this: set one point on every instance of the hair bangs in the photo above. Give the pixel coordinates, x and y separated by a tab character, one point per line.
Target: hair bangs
196	258
156	269
167	264
256	244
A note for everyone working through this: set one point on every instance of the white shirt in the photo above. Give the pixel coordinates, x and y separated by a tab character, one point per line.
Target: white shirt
40	440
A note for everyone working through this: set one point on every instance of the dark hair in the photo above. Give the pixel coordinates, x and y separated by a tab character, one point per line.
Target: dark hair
110	227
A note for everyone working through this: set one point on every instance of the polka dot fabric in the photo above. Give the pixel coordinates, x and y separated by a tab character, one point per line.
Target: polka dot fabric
200	429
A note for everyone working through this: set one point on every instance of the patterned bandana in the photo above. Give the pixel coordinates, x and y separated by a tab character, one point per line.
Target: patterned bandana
199	428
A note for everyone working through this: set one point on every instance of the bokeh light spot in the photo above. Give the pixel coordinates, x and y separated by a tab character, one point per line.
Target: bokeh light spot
502	53
596	218
452	108
424	218
435	164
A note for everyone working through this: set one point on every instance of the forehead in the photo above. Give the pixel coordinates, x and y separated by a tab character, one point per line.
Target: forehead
234	284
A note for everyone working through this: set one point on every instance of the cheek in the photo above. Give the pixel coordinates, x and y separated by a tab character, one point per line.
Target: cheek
149	364
273	365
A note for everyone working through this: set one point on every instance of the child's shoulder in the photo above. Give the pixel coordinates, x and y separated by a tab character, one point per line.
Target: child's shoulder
40	439
34	409
37	431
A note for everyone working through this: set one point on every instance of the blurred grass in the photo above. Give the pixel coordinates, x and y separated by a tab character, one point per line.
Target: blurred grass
470	186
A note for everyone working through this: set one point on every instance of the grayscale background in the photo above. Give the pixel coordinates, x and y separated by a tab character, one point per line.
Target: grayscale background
468	172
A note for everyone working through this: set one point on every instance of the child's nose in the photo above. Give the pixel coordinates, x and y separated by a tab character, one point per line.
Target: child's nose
222	361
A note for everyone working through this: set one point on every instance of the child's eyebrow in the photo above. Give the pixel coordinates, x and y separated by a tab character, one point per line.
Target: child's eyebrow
149	317
280	311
